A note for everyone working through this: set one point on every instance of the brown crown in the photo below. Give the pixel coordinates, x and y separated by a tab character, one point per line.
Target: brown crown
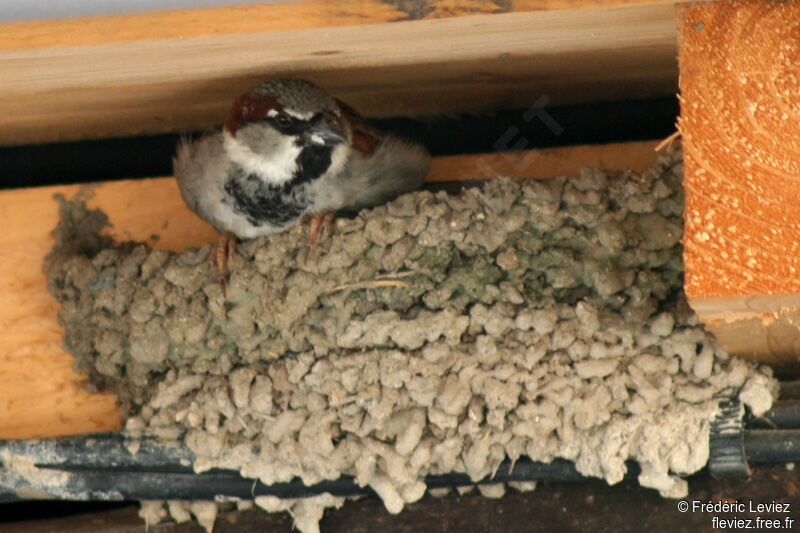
250	108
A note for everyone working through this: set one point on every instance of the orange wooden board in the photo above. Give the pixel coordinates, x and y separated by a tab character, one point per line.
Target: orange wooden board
740	124
40	395
253	18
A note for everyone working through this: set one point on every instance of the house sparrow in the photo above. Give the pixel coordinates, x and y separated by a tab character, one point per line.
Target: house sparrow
289	150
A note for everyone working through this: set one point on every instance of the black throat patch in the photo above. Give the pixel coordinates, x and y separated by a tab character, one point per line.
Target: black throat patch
314	161
262	203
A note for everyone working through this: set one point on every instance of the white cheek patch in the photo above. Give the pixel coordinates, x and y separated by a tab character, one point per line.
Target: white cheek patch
276	167
338	159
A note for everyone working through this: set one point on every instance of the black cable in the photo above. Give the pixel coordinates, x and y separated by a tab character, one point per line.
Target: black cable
772	446
114	466
119	466
784	414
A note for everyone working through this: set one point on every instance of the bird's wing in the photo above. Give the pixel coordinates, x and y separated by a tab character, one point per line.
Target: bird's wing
365	137
395	167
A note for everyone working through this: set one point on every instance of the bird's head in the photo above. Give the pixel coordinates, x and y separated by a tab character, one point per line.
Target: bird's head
272	124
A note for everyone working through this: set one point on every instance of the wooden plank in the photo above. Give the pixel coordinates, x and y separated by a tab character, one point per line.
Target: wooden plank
40	395
740	106
254	18
547	162
426	67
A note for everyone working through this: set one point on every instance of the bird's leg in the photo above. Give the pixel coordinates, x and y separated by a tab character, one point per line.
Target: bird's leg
319	224
222	252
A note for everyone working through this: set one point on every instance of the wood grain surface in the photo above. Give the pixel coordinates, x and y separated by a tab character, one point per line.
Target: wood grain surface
434	66
740	123
40	395
274	16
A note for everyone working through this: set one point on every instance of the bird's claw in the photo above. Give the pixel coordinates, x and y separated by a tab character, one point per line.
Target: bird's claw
223	251
318	225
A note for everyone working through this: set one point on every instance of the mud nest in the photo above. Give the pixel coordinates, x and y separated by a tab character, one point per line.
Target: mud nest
434	334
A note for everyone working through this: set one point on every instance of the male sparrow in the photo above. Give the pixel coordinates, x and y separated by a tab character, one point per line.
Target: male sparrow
289	150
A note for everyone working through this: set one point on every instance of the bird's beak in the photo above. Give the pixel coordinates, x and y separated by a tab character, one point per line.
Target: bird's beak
326	129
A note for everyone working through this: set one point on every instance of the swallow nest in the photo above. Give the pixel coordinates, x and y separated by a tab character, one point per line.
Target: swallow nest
439	333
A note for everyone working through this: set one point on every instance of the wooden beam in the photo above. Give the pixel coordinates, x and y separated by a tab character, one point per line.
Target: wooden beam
740	122
255	18
40	395
158	72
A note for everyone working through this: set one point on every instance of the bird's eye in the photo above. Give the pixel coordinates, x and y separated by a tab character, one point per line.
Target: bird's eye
283	120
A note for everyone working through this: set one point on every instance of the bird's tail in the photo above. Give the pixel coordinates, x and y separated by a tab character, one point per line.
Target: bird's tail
182	159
